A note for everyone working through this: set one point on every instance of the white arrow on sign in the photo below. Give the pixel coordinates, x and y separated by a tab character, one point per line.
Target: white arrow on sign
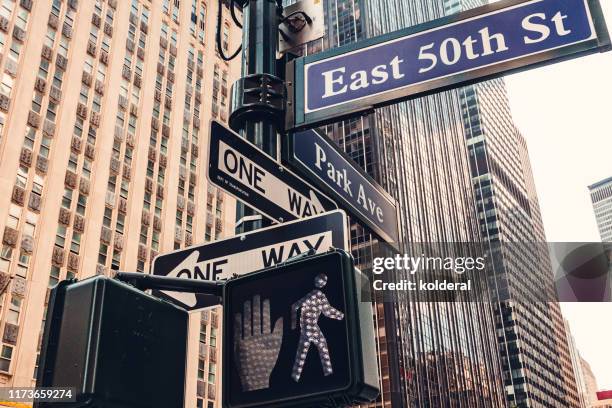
244	262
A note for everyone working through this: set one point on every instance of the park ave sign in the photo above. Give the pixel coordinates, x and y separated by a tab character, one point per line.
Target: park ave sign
468	47
329	168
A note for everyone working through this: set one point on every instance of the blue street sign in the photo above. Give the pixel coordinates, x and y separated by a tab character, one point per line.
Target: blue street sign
479	44
251	176
326	166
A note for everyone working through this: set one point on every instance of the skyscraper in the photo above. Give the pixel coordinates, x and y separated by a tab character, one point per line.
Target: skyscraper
104	113
533	347
583	393
590	382
601	196
532	341
431	354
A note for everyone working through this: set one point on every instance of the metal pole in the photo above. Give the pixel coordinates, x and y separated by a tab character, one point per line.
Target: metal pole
260	39
257	98
143	281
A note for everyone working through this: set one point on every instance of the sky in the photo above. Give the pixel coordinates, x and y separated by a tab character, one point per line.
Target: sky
565	113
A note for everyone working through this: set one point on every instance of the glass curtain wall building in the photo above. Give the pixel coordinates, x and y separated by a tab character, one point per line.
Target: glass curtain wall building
533	348
431	354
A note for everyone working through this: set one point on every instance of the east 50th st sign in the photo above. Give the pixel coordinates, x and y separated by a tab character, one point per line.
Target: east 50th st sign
479	44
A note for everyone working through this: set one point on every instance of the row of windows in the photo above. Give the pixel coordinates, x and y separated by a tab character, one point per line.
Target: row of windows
126	120
601	193
16	17
197	24
159	106
19	219
172	7
207	367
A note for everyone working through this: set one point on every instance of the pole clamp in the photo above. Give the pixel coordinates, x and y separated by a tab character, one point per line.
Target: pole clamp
258	97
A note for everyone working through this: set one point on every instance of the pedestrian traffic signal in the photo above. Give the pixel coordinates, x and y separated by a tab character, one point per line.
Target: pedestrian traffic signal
116	346
296	335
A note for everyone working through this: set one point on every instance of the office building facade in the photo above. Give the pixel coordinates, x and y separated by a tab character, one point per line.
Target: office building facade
104	113
533	346
532	342
601	197
583	393
431	354
590	382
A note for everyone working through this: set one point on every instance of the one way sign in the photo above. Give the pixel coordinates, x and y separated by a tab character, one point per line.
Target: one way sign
244	171
250	252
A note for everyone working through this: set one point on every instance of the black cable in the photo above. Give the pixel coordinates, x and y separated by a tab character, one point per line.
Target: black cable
219	44
233	5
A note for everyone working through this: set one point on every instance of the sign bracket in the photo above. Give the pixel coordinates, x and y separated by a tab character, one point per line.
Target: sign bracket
143	282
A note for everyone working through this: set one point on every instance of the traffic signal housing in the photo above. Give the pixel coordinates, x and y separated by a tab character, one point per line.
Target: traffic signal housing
116	345
297	335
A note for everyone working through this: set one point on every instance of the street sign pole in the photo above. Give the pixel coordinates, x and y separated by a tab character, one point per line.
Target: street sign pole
258	97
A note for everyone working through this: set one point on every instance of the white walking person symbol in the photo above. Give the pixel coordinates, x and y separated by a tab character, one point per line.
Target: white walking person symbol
312	305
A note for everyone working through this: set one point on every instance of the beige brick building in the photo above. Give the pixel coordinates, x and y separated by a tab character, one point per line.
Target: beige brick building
104	114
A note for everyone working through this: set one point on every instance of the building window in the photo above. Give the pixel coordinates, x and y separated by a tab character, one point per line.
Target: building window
143	234
6	252
203	332
75	246
225	37
14	215
12	316
5	358
29	228
120	223
54	276
22	19
15	51
81	204
213	337
211	372
67	199
7	85
72	162
102	253
108	215
78	127
60	236
155	240
5	265
201	369
116	260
